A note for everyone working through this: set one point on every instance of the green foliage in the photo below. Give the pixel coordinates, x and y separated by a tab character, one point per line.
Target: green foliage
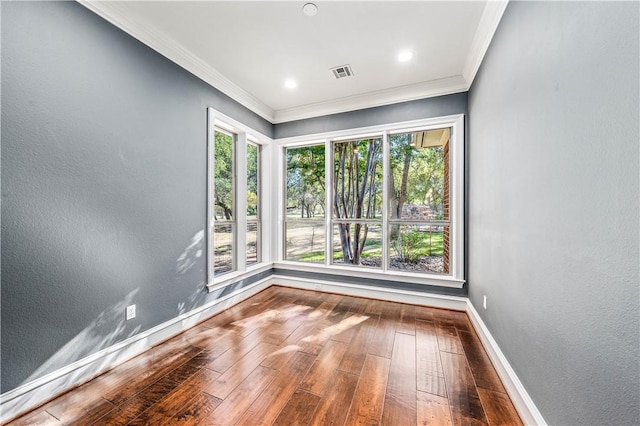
252	179
305	180
223	175
357	192
417	175
412	244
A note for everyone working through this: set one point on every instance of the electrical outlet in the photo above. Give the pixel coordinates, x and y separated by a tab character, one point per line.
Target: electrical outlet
484	302
131	312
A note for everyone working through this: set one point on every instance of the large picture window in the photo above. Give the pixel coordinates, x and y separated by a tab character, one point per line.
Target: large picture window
389	203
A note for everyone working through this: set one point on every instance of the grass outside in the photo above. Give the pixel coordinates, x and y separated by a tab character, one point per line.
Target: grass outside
426	244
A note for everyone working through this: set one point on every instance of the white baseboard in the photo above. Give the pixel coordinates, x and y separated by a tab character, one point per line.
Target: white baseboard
37	392
383	293
519	396
32	394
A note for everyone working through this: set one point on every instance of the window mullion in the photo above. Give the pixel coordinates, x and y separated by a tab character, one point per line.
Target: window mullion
240	214
328	209
211	193
385	201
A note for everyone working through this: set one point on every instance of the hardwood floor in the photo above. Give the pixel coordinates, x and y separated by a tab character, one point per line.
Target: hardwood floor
294	357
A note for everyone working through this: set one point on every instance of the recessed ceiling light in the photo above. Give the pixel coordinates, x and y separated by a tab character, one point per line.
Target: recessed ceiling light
405	56
290	83
310	9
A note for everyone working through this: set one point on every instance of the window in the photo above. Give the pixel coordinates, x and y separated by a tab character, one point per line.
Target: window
304	232
388	203
357	202
235	203
224	228
418	202
253	204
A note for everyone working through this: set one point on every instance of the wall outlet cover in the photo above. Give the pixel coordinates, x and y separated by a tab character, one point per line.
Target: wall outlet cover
131	312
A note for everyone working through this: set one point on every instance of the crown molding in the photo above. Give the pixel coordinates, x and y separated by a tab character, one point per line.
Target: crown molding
487	26
427	89
158	41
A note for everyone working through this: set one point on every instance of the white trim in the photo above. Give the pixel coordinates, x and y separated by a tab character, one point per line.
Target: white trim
412	92
279	184
233	277
160	42
379	129
386	171
456	206
210	208
26	397
382	293
487	26
519	396
456	196
328	204
241	134
166	46
374	274
240	193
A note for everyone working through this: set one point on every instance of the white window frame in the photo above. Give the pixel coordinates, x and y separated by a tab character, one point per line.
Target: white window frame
258	220
456	152
243	135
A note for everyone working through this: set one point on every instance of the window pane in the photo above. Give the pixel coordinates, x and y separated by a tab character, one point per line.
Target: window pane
419	248
253	249
223	176
304	241
222	248
305	182
357	179
253	193
357	244
419	164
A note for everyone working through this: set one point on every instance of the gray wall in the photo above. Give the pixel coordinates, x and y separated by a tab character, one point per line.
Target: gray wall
413	110
103	186
554	205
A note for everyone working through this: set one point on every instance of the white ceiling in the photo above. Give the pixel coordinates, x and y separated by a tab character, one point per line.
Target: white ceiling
247	49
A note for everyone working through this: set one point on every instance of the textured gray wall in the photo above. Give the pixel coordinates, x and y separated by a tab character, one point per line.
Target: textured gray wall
413	110
554	206
103	186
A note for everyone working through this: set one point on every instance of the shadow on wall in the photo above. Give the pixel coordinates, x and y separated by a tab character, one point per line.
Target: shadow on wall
191	268
99	334
187	266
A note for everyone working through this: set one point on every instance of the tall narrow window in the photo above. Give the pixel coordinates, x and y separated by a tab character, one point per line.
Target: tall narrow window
253	204
418	203
224	231
305	204
357	202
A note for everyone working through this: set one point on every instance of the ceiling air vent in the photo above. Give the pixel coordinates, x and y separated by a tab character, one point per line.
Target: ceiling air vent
342	71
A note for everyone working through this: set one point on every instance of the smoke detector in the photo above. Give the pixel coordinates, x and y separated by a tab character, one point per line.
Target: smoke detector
342	71
310	9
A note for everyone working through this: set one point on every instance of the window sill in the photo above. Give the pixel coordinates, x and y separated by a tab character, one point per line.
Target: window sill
407	277
233	277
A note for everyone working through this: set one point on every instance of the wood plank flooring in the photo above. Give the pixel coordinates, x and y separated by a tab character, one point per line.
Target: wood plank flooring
294	357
